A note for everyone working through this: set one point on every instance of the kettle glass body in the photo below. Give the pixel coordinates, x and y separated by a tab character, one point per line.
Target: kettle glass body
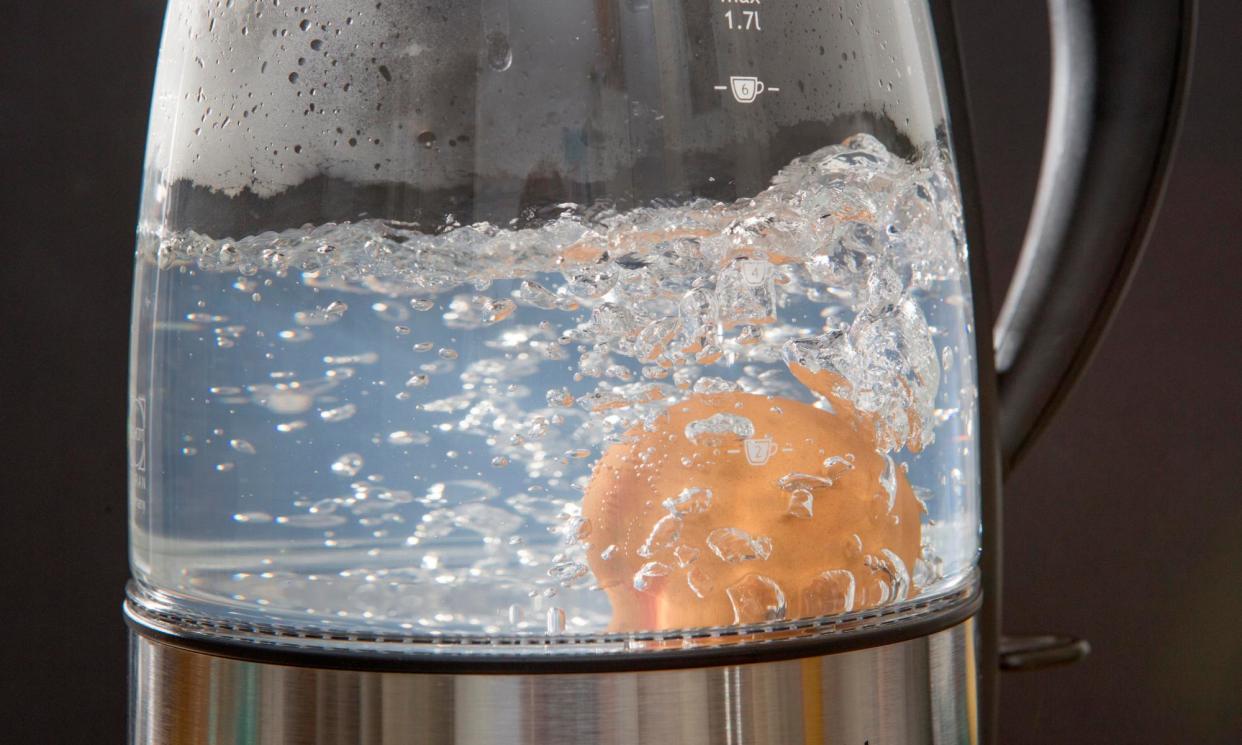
635	322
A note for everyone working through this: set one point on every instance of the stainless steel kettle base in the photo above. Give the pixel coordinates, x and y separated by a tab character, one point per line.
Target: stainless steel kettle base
907	693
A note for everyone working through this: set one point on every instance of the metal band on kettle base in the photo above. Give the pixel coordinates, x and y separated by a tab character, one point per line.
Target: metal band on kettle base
916	691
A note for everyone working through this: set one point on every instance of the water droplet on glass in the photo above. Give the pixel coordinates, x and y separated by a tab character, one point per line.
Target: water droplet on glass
499	53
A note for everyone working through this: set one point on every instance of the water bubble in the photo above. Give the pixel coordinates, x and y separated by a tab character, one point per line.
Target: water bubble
535	294
329	314
560	397
648	573
417	381
664	534
242	446
830	593
323	507
311	521
749	335
295	335
898	577
495	311
365	358
838	464
590	279
568	572
348	464
252	517
709	354
390	311
801	504
611	321
339	413
717	426
734	545
691	500
756	599
803	481
686	555
700	582
555	620
888	481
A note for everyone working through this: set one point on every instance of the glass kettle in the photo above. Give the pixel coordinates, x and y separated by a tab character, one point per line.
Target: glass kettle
563	372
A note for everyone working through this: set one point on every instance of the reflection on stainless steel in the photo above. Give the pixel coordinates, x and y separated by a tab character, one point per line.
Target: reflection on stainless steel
912	692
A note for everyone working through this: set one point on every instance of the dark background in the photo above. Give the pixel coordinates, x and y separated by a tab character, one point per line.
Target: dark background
1123	525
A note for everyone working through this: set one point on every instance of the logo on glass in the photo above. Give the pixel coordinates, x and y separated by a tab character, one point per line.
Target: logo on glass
759	450
746	88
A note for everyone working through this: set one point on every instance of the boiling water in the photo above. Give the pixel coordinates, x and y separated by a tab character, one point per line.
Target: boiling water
369	426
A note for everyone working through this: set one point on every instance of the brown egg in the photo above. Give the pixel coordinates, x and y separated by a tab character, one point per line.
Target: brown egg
736	508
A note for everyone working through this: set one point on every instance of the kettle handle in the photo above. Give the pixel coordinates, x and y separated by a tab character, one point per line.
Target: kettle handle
1120	71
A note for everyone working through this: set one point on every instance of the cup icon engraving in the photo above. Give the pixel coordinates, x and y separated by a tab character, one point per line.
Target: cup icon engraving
755	272
759	450
745	88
